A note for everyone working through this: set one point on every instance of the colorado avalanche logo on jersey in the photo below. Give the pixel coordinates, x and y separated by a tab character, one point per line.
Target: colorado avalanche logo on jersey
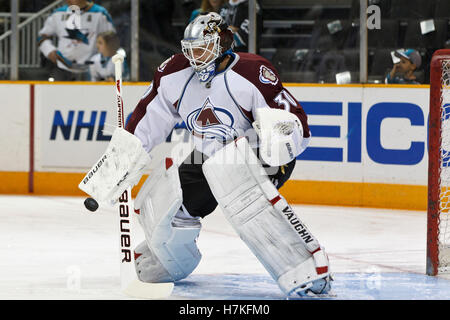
210	122
267	76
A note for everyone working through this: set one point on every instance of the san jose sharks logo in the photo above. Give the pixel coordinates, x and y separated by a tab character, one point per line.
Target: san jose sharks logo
77	35
73	26
210	122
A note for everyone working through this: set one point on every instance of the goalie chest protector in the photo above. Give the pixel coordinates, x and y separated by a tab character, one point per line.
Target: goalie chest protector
219	112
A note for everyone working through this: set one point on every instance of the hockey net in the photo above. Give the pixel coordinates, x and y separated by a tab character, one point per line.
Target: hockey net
438	225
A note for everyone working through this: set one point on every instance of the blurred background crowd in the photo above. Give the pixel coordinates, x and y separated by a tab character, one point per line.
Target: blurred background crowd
308	41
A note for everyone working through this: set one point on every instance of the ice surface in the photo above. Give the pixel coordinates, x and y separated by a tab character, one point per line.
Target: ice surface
53	248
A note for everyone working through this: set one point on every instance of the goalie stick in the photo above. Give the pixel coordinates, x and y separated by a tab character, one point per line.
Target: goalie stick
129	282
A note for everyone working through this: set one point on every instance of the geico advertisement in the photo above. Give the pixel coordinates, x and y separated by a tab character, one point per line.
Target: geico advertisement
359	134
370	134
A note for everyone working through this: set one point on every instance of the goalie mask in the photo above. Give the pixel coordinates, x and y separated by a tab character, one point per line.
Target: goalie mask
205	40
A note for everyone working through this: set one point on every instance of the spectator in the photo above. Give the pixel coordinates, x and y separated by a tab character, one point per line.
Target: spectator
403	71
102	68
76	32
235	14
208	6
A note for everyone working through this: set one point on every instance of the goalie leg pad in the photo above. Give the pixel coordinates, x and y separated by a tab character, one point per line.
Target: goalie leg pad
263	219
148	267
180	255
170	231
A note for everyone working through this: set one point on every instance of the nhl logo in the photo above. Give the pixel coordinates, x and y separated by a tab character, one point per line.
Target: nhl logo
267	76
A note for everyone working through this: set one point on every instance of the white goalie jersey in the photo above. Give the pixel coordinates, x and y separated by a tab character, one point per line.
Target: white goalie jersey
213	114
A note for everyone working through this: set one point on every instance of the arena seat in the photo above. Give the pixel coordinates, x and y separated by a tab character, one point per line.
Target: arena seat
442	9
411	9
436	39
387	36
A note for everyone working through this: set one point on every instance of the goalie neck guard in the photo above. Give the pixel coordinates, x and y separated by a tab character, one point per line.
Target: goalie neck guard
207	39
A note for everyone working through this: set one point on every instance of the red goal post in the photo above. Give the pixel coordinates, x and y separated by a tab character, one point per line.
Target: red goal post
438	221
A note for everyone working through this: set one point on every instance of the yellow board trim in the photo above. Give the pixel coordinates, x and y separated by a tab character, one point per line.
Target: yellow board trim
64	184
13	182
289	84
358	85
71	83
376	195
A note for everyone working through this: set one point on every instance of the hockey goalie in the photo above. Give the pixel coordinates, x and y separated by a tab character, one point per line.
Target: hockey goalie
247	132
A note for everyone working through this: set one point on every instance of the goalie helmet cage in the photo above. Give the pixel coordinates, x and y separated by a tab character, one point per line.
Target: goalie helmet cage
438	221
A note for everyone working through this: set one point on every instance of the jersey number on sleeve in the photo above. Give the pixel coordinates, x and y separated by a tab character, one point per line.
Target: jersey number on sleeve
285	100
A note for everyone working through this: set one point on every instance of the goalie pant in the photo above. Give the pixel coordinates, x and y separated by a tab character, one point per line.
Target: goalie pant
197	196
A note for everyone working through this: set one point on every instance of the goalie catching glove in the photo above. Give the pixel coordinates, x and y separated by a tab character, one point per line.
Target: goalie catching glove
121	166
281	136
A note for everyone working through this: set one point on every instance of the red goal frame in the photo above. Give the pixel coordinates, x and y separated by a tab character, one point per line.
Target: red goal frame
434	161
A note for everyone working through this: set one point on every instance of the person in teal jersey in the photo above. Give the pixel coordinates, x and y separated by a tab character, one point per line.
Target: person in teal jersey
75	27
403	71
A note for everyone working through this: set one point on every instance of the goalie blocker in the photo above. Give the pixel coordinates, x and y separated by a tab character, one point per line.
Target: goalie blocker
265	221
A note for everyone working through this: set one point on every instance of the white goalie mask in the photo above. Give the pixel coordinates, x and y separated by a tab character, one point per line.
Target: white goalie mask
206	38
